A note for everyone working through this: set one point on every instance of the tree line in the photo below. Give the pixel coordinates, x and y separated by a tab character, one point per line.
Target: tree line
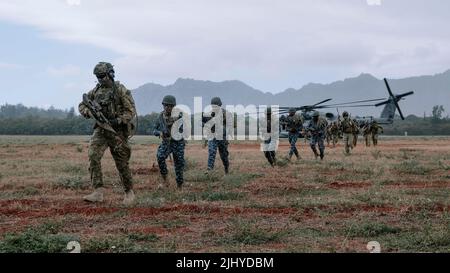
22	120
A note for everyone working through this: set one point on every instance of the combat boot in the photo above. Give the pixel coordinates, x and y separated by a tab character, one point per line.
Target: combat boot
180	186
164	183
128	198
316	155
227	170
322	155
96	196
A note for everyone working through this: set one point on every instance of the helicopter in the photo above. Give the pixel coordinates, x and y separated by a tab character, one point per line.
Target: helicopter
387	115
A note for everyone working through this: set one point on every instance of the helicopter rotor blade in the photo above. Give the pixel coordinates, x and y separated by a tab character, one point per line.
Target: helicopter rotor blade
327	100
394	98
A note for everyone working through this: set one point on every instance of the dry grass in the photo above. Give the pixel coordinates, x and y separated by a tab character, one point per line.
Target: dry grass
397	194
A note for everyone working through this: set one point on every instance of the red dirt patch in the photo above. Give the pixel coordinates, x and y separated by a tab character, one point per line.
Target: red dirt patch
342	185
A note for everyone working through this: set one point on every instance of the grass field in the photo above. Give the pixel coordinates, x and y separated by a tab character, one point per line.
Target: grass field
397	194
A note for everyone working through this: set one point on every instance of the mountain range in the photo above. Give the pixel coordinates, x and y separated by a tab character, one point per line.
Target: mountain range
429	91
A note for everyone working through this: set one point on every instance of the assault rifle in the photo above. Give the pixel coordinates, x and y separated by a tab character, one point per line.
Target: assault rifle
96	113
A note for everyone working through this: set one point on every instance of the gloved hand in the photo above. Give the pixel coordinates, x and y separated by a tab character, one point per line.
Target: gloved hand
85	113
156	133
166	133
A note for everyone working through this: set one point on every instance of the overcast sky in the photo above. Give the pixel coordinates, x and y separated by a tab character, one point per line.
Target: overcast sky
49	47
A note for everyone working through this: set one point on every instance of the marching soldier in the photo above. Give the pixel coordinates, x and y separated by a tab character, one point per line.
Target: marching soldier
110	103
170	144
355	132
334	131
218	141
375	129
367	133
317	128
347	128
294	125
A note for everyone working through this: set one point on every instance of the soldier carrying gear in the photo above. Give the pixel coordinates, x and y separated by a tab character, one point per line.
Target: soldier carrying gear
375	129
355	132
347	127
367	133
166	120
217	141
317	128
294	125
115	104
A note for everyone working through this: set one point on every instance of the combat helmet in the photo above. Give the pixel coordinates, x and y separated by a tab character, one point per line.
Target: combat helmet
345	114
169	100
292	110
216	101
316	114
104	68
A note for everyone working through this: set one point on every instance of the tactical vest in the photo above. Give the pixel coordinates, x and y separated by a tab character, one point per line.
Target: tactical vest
224	122
347	126
293	123
106	98
112	105
169	121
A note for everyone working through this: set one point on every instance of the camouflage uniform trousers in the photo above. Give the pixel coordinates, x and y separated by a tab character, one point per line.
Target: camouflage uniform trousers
375	139
367	139
355	139
317	140
348	142
222	145
176	148
335	139
120	151
293	141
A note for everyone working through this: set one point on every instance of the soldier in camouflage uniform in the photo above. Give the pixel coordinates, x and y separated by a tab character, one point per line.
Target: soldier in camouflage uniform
347	128
328	134
375	129
170	145
117	105
215	142
317	128
294	125
334	132
355	132
366	133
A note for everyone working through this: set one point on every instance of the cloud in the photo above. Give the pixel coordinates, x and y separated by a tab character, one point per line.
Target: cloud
64	71
254	39
10	66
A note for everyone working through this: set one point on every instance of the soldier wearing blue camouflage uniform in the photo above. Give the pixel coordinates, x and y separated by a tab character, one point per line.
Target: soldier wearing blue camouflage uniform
213	143
294	125
116	105
317	128
170	145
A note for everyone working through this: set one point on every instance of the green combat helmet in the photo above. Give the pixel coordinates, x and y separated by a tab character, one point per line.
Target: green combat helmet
316	114
292	111
104	68
216	101
345	114
169	100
